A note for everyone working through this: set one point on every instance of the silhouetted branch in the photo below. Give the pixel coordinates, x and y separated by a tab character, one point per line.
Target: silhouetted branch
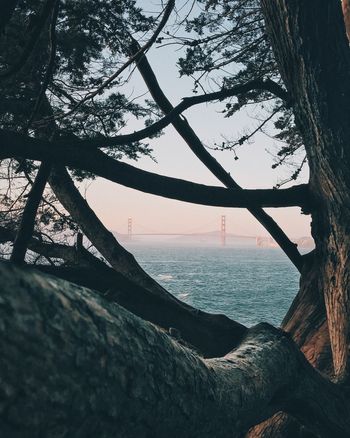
95	161
195	144
26	227
174	112
167	11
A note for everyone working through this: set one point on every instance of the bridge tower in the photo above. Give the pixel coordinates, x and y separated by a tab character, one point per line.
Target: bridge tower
223	230
129	228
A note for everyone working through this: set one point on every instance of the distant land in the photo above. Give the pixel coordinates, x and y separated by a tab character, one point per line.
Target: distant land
210	238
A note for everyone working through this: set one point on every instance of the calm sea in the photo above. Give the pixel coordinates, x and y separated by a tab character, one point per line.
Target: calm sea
247	284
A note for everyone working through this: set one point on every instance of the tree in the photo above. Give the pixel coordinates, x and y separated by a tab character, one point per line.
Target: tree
288	52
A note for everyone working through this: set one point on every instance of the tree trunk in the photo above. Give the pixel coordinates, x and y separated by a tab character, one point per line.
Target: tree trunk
211	335
314	61
307	324
75	365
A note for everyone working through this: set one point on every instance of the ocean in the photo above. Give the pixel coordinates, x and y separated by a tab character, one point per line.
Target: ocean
248	284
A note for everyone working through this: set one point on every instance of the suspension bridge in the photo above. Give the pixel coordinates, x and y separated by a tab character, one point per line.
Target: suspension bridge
220	234
222	231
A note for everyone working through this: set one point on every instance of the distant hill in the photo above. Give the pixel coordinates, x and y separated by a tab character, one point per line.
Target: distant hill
212	237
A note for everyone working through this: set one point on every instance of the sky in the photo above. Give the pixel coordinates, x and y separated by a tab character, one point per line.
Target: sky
114	204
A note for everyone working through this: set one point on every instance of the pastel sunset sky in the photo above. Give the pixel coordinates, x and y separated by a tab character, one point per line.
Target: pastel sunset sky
114	203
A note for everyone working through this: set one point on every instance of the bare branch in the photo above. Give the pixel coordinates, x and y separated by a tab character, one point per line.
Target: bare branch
195	144
95	161
26	227
174	112
103	240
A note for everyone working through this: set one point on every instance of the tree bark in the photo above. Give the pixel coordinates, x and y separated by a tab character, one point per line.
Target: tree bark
320	87
306	48
8	7
75	365
306	322
211	335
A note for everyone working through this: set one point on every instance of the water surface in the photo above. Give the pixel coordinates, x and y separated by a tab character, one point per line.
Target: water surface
247	284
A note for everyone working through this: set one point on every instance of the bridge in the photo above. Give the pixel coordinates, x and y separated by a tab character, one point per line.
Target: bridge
260	241
222	234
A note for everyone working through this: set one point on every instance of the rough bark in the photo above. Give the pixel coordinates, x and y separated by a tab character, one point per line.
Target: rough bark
8	7
212	335
306	322
314	61
75	365
306	47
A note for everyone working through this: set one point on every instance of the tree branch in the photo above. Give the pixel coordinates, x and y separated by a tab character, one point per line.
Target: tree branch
103	240
174	113
187	133
210	334
62	342
95	161
25	230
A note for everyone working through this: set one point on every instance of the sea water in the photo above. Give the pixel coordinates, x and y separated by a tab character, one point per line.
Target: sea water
248	284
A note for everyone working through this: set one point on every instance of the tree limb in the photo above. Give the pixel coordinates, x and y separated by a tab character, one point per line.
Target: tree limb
61	342
95	161
167	11
103	240
26	227
187	133
173	113
212	335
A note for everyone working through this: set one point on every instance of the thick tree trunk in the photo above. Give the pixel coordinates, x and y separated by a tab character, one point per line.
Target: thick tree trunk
314	60
75	365
211	335
306	322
